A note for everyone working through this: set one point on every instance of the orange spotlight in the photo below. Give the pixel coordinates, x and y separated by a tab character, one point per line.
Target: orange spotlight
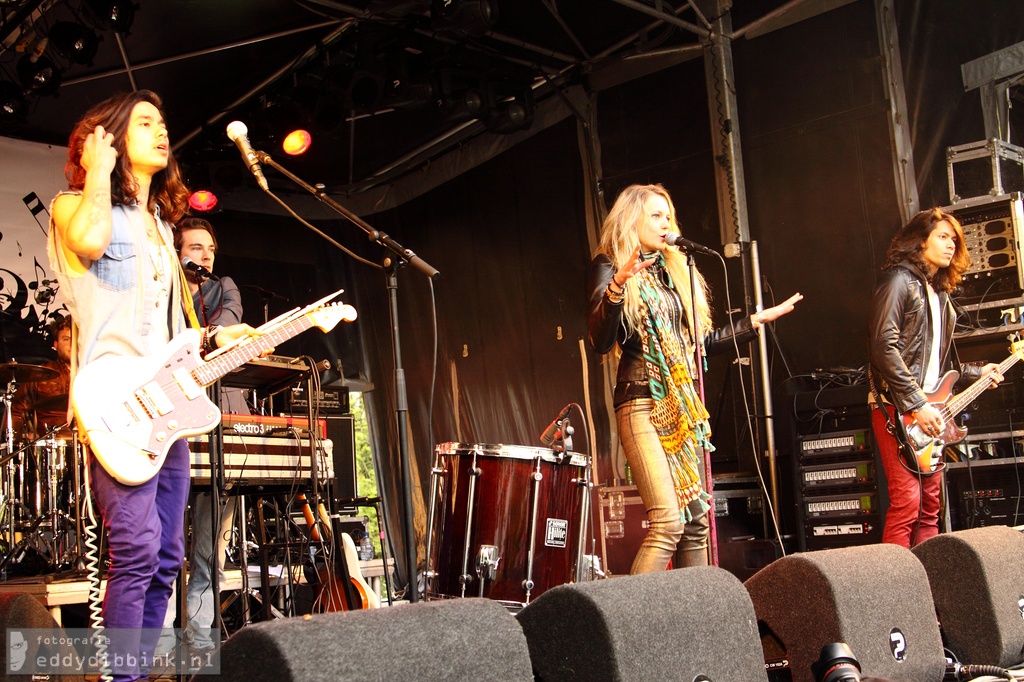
202	200
297	142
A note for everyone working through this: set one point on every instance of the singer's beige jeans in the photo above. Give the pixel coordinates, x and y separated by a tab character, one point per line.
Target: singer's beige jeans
667	537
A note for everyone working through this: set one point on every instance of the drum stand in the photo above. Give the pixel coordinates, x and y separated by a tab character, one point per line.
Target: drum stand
7	500
57	549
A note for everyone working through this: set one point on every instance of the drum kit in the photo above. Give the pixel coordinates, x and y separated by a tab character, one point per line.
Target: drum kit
39	483
506	522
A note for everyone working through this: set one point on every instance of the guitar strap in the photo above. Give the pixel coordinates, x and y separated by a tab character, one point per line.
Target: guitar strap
186	297
890	425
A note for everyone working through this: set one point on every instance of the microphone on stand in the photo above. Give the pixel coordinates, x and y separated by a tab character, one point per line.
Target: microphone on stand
673	239
199	270
550	433
239	134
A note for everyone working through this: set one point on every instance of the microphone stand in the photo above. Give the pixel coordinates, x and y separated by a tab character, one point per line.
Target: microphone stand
698	337
391	266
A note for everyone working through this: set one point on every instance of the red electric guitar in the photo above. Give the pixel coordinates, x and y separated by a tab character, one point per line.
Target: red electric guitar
922	453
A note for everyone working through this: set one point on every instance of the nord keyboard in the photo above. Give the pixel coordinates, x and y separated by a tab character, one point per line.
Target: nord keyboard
840	442
264	451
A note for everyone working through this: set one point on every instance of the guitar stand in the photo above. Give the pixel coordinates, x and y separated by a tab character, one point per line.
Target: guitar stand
375	502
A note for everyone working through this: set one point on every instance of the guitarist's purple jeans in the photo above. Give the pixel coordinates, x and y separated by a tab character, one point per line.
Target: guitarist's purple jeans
905	492
145	529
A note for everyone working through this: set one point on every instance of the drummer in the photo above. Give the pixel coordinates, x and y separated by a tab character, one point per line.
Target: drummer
41	405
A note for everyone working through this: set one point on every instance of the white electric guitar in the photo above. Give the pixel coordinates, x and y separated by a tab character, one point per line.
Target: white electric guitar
133	408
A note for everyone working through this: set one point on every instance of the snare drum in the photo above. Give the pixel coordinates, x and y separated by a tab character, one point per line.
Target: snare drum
507	520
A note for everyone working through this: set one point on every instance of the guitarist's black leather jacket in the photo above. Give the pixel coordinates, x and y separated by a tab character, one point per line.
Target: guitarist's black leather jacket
605	327
900	331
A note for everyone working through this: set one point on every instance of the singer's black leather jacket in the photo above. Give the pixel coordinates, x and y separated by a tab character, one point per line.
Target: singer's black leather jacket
605	328
900	332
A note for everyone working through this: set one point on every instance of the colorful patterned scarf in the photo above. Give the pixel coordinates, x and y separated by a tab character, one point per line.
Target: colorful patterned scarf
679	417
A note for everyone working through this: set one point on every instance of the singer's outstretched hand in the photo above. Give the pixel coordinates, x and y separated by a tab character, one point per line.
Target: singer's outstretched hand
777	311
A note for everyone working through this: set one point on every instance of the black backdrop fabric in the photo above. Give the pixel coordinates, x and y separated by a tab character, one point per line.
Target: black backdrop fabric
508	242
510	236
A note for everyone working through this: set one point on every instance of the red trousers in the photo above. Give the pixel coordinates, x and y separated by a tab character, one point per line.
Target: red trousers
913	513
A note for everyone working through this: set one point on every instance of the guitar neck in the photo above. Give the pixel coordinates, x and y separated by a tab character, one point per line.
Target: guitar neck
212	370
962	400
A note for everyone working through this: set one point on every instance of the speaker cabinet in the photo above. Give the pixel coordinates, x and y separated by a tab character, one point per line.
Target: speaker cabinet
461	639
874	598
686	624
341	431
978	588
18	612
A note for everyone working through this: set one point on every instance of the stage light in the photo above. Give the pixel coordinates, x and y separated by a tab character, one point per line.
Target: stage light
202	200
472	17
296	142
408	80
74	41
117	15
12	103
40	76
509	117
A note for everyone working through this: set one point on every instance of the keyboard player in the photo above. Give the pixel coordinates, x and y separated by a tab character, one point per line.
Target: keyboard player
217	302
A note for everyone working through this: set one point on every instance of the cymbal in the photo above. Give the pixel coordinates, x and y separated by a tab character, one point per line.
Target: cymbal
58	402
25	374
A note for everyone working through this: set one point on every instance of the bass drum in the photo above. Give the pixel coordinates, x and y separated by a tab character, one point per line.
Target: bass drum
507	521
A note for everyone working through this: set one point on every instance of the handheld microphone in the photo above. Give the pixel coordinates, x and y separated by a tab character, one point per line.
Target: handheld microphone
239	134
548	437
199	270
674	239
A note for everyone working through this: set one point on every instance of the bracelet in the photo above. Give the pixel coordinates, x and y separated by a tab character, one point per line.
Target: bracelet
209	338
615	297
622	287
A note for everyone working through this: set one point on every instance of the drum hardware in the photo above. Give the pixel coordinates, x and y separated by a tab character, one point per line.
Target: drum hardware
12	374
429	575
44	512
466	578
487	560
536	478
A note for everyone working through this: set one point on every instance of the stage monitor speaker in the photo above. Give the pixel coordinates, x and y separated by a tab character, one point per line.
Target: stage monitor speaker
978	588
341	431
686	624
21	611
461	639
874	598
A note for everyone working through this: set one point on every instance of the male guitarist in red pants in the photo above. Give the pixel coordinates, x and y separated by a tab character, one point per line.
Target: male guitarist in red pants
911	345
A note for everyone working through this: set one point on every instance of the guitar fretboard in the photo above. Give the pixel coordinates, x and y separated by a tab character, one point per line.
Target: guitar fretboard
958	403
214	369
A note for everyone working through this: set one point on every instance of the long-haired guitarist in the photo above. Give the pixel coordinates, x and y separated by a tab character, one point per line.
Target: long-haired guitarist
911	346
111	245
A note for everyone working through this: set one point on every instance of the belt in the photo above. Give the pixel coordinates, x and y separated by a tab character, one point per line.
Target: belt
630	390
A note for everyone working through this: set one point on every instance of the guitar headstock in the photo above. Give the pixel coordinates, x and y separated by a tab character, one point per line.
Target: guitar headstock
1017	346
325	317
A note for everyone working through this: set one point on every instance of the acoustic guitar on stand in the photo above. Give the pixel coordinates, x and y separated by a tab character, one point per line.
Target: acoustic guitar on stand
921	453
133	408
